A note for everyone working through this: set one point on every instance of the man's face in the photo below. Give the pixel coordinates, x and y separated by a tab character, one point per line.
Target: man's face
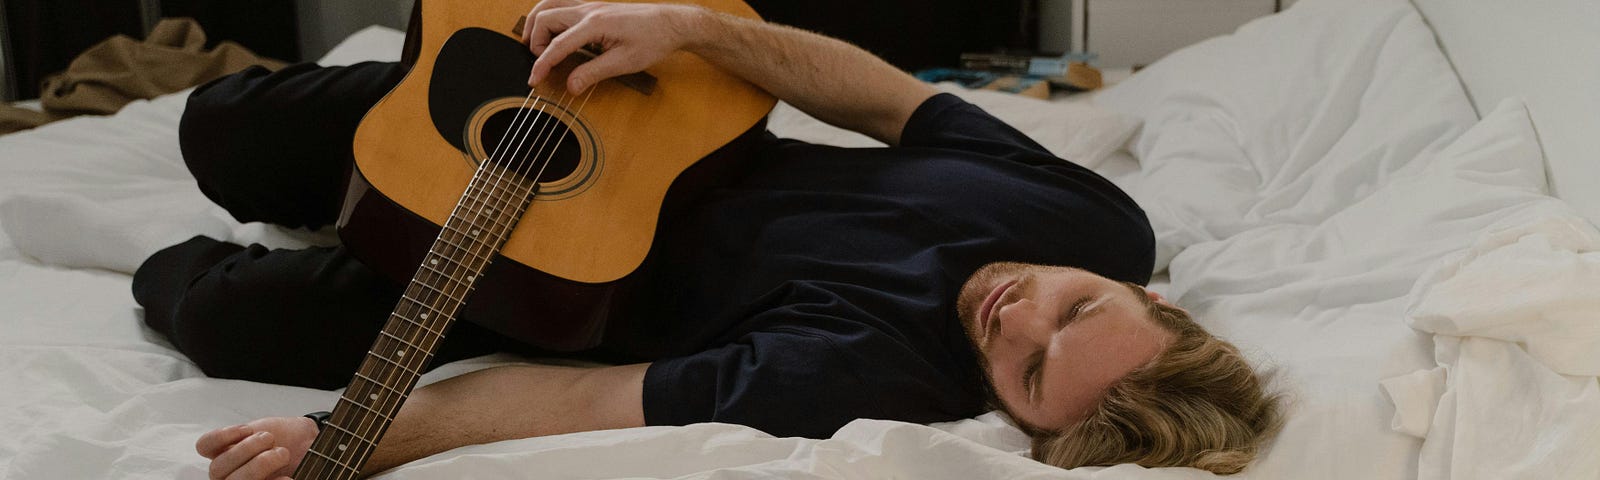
1053	338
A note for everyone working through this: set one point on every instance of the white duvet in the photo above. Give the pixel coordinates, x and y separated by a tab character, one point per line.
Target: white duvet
1302	176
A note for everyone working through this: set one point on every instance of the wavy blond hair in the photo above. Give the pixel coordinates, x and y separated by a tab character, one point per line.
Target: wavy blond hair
1196	404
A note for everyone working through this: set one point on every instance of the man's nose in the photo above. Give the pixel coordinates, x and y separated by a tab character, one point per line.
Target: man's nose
1022	321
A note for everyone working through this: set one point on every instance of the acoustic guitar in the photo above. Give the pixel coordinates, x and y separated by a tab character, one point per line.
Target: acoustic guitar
534	203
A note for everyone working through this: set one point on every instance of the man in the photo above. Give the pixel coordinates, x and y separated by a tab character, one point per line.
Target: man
823	285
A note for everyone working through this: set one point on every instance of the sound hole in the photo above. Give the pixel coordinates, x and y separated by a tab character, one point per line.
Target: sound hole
531	139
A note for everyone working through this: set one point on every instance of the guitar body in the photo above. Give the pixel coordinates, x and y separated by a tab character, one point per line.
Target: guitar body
614	160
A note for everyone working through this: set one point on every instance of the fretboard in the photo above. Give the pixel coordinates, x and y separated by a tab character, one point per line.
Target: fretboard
474	233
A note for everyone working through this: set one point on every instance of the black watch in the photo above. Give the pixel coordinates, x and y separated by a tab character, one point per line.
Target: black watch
320	417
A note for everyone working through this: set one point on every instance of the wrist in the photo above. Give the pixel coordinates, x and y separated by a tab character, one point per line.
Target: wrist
697	28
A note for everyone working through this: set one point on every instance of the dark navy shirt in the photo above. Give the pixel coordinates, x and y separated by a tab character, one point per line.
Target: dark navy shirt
820	287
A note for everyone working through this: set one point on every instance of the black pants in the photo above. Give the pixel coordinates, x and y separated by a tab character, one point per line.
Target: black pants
275	147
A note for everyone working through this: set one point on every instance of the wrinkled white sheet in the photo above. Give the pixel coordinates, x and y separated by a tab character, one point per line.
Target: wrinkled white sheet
1301	175
1516	325
1293	172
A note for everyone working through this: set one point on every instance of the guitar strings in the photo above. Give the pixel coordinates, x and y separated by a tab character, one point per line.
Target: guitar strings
364	430
516	129
551	158
520	127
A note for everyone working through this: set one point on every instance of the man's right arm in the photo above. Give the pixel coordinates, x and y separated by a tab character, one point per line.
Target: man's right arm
829	79
489	405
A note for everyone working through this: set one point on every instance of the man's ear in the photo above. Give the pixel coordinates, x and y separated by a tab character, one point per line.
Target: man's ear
1156	297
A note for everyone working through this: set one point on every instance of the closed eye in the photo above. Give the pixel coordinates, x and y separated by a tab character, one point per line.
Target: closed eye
1076	311
1030	375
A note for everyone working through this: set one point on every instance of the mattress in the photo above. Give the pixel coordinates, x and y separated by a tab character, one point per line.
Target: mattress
1316	180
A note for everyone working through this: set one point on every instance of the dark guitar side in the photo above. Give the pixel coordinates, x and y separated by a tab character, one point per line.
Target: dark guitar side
513	299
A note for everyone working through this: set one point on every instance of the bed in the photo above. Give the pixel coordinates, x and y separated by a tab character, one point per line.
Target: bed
1389	204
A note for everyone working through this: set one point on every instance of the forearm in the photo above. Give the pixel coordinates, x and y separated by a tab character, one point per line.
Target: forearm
508	403
829	79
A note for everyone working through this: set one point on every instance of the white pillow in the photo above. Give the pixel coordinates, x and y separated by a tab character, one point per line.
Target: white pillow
1077	131
1292	118
374	43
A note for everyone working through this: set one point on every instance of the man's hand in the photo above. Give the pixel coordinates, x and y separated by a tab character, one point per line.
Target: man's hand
265	448
630	36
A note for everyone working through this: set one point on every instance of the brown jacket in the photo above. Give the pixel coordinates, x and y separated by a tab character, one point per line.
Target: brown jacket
120	70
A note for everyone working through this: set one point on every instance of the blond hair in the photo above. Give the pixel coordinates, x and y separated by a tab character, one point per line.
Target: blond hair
1196	404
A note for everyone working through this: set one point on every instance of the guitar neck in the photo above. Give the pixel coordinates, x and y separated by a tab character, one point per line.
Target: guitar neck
473	234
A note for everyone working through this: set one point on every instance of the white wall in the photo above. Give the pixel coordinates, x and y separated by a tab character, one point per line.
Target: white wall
323	23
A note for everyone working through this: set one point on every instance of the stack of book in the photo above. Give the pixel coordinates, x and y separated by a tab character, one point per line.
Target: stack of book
1034	76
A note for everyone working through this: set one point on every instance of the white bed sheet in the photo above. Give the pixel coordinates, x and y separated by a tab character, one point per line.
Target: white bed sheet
1332	191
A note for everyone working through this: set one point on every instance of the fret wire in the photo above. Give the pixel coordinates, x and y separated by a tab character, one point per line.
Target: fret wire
484	187
459	235
341	464
445	258
472	252
456	224
435	271
381	384
392	362
445	276
511	205
400	398
420	281
440	292
419	324
400	394
352	447
367	408
435	334
496	218
492	240
512	188
398	339
360	419
471	262
335	426
372	370
423	305
408	332
370	394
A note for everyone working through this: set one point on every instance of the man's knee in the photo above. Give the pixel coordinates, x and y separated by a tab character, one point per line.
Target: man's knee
234	312
214	133
237	335
274	146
